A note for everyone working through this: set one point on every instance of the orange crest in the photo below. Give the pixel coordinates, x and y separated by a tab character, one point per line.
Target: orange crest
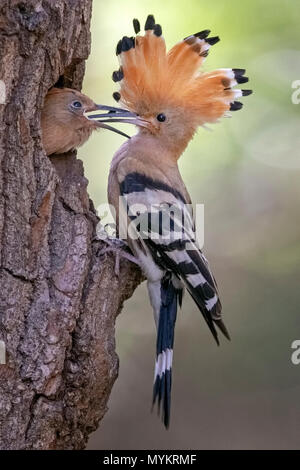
150	77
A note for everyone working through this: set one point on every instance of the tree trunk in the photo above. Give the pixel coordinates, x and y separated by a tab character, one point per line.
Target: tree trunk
58	299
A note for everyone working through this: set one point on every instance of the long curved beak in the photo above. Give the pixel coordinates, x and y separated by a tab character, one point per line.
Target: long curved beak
112	115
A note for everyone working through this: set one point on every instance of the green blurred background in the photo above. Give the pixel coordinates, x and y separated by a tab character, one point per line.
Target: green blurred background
245	394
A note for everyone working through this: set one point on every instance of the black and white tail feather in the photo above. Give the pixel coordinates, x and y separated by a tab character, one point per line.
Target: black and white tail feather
171	259
170	298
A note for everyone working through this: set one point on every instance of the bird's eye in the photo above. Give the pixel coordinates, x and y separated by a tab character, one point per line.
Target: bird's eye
76	104
161	117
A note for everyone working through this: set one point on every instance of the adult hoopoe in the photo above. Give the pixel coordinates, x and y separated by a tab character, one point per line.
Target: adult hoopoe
65	125
171	99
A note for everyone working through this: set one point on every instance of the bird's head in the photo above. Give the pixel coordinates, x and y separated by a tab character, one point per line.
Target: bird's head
65	119
166	90
67	107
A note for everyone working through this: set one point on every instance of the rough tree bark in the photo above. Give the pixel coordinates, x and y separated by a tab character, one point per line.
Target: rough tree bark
58	299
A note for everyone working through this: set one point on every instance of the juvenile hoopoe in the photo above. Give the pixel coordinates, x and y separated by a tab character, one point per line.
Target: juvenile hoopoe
65	126
171	99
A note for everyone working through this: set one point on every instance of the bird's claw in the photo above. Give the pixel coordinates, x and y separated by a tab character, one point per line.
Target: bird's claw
118	247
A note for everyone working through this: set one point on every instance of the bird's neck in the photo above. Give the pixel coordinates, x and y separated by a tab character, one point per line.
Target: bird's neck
148	148
143	155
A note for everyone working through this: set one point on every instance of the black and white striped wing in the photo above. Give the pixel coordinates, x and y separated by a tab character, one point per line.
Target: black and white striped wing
165	223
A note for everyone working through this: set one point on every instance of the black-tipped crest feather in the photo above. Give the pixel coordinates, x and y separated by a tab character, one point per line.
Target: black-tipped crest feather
236	105
118	75
116	96
213	40
247	92
150	23
157	30
202	34
136	26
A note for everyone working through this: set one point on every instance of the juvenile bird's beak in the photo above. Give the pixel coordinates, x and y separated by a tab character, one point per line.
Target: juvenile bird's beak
112	115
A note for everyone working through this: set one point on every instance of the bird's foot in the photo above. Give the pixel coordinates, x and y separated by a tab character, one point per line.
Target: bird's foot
120	249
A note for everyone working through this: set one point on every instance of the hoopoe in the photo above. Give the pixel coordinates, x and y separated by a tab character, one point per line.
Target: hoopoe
171	99
65	124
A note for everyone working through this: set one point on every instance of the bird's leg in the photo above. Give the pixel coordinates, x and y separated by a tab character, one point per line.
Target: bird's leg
120	249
